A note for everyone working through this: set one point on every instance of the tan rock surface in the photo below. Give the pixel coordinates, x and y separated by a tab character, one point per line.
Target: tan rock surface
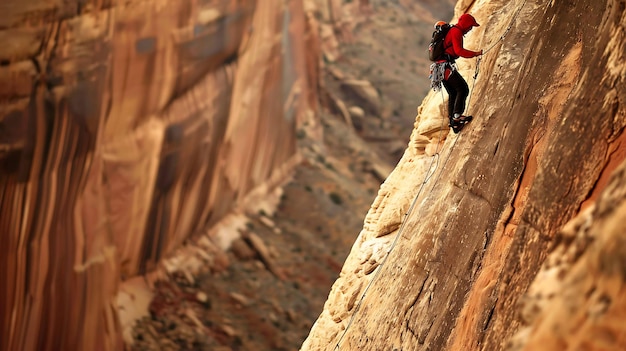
577	300
477	217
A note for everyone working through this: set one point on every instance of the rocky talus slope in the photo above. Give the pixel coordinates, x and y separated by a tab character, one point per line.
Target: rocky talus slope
509	235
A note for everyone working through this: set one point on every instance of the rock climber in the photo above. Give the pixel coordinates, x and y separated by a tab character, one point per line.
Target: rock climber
454	83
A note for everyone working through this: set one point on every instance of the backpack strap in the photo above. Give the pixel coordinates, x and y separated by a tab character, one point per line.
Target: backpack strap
449	57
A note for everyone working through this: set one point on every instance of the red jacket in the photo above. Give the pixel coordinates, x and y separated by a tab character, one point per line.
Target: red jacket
454	40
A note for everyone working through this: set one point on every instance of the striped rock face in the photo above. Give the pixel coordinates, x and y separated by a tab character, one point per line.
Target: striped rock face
126	127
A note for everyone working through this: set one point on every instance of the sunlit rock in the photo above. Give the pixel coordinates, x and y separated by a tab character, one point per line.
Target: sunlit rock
472	217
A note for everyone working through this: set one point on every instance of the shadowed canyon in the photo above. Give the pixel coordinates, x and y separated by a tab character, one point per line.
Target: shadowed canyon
278	175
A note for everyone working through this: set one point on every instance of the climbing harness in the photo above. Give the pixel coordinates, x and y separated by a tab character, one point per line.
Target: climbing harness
438	73
429	174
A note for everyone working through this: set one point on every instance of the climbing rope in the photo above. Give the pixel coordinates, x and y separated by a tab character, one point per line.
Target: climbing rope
395	240
476	71
427	177
429	174
507	28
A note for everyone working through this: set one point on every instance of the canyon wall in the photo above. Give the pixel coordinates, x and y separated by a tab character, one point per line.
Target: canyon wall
127	128
464	247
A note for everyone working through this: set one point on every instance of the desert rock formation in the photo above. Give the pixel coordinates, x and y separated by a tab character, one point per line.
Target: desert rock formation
128	127
135	135
463	248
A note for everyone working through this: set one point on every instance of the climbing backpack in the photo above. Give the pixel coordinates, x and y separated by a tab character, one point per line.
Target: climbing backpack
436	50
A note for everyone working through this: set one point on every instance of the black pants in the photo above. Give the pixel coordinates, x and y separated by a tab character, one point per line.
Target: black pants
457	90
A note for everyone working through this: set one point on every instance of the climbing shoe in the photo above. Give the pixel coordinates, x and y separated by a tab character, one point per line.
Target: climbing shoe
458	123
451	121
463	119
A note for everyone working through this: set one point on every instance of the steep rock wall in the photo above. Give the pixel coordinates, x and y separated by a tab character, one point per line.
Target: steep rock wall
577	300
460	229
126	128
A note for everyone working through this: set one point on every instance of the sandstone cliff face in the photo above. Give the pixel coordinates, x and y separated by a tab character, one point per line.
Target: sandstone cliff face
124	129
465	223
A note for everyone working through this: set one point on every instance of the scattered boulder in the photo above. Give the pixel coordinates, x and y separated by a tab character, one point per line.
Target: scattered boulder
364	92
356	112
